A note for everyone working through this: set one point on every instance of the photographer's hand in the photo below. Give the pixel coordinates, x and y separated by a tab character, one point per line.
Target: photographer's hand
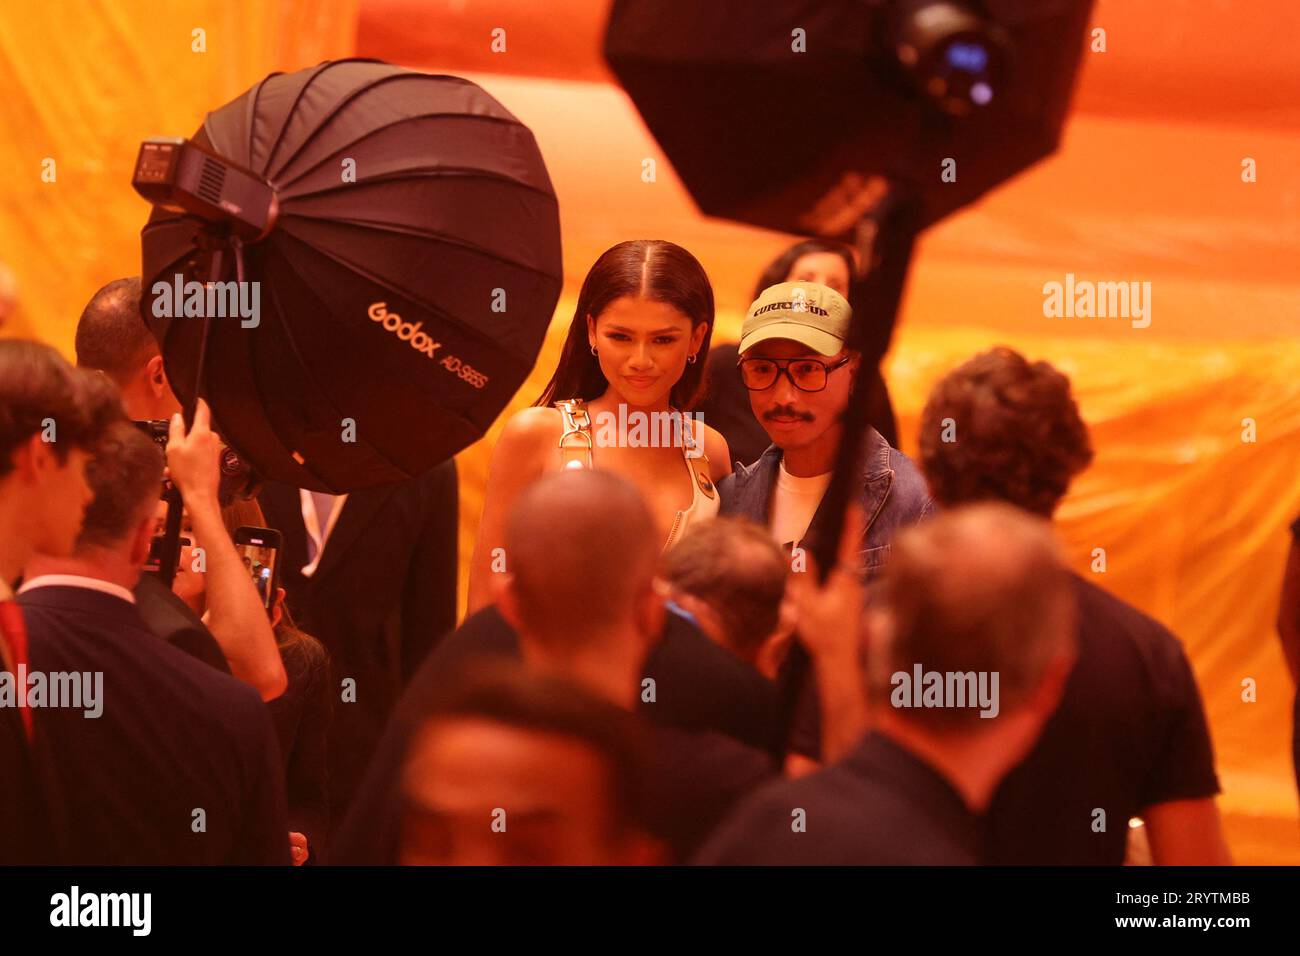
193	459
236	616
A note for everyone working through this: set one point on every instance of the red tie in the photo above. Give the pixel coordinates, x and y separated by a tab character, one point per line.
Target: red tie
14	632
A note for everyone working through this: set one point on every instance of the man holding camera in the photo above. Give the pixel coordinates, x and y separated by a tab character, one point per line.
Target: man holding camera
112	339
372	574
180	765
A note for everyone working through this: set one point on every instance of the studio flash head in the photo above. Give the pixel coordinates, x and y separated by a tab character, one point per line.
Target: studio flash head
954	56
181	176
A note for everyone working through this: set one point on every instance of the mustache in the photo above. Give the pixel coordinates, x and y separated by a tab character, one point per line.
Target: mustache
787	411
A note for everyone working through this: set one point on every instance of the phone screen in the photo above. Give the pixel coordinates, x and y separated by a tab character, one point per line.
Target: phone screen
260	555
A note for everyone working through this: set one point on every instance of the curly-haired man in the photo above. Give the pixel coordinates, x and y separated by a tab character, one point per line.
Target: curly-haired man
1130	737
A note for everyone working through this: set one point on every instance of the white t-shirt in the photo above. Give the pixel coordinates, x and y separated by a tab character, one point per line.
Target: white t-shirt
794	502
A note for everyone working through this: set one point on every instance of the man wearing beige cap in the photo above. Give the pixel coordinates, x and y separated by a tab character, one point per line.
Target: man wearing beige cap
800	377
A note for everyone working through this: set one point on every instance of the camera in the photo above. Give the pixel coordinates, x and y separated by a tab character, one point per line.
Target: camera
238	480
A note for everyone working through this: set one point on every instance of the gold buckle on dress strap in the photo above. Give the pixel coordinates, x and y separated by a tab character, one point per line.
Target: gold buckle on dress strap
577	424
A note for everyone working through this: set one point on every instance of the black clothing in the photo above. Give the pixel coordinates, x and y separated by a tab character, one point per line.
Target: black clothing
698	771
164	613
695	780
880	806
1295	709
174	738
301	716
699	686
383	593
1130	733
1295	738
24	825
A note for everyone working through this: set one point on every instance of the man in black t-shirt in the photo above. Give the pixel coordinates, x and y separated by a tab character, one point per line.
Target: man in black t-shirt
1130	737
972	636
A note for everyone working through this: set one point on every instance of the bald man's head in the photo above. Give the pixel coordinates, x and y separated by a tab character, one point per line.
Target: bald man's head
111	335
581	547
977	589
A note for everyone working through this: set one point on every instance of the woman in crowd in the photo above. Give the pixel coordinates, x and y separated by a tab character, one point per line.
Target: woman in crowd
633	360
301	714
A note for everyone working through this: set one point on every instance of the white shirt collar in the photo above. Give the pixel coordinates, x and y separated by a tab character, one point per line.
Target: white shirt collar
311	524
808	484
77	581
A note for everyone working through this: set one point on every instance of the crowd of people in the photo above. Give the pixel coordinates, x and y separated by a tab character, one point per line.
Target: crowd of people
654	669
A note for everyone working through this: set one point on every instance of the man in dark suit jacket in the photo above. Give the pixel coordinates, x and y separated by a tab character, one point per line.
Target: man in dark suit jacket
381	591
180	767
163	760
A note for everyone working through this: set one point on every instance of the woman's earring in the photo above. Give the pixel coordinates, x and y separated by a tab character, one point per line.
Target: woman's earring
690	359
593	349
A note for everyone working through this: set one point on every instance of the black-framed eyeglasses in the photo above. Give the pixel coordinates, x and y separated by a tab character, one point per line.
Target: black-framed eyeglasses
806	374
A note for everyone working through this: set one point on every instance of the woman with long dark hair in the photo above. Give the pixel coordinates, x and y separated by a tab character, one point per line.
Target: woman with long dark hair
811	260
301	715
620	399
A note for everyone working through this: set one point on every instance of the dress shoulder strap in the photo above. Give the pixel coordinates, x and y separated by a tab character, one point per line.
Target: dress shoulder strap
696	460
576	442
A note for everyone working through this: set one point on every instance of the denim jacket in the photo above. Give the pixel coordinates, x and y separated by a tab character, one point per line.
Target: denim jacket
894	493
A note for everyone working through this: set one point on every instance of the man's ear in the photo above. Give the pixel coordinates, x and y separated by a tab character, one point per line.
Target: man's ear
142	539
33	459
156	376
